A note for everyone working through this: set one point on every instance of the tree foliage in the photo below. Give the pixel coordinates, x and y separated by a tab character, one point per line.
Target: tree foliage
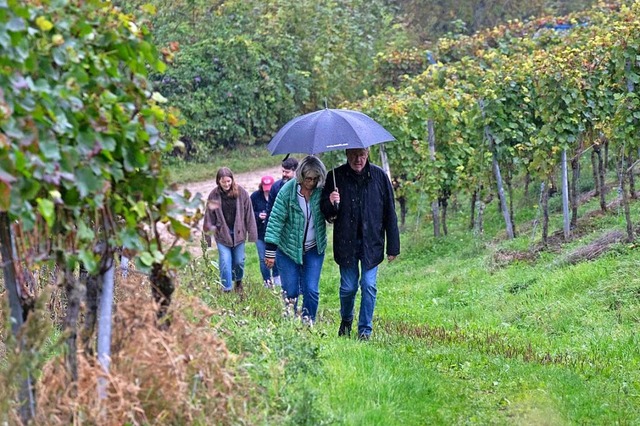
239	70
520	92
433	19
82	129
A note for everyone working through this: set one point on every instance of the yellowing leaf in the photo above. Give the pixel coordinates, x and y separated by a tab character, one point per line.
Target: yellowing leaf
47	210
173	120
140	209
149	8
161	66
180	229
158	98
43	23
133	28
56	195
158	112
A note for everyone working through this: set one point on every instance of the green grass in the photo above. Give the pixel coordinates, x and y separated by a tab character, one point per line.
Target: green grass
460	337
239	160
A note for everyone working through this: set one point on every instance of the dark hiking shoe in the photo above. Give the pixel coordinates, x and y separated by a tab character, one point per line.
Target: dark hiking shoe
345	328
239	288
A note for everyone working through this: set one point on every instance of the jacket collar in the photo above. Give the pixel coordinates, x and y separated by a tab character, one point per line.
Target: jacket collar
366	171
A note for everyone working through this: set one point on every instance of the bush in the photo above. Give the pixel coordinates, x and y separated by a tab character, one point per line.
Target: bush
230	93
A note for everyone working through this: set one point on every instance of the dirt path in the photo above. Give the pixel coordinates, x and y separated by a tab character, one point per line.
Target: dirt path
248	180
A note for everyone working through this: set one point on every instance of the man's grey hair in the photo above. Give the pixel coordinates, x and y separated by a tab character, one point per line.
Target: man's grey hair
311	165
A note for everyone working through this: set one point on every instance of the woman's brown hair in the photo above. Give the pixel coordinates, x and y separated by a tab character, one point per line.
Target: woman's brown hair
226	172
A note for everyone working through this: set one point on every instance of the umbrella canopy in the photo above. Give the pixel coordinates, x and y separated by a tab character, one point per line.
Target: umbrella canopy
328	130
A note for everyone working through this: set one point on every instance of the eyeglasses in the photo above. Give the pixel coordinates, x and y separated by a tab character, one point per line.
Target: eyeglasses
312	179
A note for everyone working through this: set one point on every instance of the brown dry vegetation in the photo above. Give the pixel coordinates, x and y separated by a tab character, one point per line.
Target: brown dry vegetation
182	375
596	248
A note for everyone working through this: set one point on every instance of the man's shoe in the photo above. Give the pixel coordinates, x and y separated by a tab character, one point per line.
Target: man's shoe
306	320
239	288
364	336
345	328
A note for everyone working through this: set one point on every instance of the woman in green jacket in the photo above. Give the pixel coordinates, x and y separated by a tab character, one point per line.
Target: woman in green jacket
296	236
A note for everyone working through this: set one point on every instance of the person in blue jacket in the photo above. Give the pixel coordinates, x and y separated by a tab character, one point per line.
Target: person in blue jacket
259	200
358	199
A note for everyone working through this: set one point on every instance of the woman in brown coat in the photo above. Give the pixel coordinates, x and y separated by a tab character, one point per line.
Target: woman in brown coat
229	218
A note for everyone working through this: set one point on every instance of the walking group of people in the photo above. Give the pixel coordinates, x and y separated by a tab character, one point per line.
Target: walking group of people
287	221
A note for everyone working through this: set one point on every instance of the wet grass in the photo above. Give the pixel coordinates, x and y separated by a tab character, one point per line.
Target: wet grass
461	337
468	329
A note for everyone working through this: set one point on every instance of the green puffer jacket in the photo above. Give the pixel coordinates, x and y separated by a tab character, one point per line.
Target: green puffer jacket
286	223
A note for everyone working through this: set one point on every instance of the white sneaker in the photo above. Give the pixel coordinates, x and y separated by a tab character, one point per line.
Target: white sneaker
288	310
276	281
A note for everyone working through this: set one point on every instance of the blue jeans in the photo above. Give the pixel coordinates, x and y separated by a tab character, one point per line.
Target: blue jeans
349	276
303	279
266	272
231	264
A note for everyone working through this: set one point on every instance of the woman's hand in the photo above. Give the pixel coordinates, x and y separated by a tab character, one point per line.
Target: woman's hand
269	262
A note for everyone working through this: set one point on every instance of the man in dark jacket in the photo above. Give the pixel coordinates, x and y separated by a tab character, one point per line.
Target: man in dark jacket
289	166
362	208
